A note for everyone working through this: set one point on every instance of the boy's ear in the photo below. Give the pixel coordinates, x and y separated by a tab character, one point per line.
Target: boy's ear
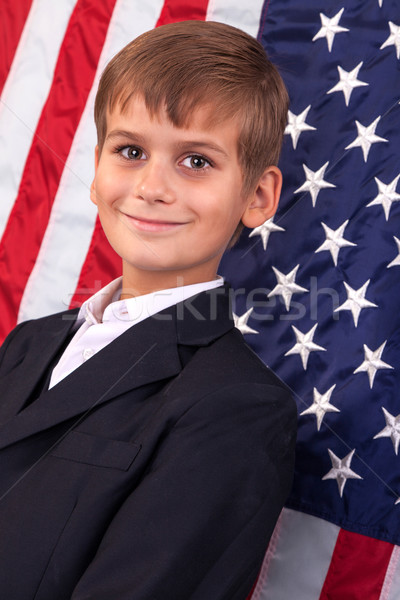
93	196
263	202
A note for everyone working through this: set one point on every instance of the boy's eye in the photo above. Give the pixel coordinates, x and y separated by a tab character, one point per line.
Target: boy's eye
196	161
132	152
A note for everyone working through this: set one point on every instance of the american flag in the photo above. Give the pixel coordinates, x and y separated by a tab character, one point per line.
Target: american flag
316	287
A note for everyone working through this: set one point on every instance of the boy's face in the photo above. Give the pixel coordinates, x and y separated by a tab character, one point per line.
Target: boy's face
169	198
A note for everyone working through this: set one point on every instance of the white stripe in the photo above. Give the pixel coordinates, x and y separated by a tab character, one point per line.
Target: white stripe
244	15
56	273
26	90
391	585
298	558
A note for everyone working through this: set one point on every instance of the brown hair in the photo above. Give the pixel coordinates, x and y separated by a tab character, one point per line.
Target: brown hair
192	63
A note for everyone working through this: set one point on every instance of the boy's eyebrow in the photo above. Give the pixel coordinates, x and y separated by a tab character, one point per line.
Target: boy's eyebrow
201	144
119	133
184	146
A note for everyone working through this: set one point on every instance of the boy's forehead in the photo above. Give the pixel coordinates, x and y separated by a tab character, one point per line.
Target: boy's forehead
202	116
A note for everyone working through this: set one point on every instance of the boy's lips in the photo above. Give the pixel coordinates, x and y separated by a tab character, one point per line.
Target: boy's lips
155	225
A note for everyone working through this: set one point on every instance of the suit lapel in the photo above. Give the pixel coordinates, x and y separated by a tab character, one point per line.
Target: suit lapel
145	353
204	317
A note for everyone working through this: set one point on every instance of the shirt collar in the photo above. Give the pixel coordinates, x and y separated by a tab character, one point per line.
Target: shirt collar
105	306
93	308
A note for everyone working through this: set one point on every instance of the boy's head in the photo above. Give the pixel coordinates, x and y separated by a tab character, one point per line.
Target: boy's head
190	119
186	65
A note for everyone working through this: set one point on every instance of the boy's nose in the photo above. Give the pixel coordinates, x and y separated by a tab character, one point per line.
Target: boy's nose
153	184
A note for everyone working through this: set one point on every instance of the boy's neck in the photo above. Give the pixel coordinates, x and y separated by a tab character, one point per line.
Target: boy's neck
155	281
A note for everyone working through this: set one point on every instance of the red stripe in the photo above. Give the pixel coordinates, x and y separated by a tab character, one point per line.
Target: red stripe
182	10
13	16
101	263
358	568
73	78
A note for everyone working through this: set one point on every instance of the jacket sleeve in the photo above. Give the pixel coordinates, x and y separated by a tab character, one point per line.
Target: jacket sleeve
198	524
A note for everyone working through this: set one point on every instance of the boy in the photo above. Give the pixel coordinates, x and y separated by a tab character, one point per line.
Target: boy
145	451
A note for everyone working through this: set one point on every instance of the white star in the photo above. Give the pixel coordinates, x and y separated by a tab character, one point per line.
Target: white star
380	3
392	429
314	182
297	124
396	261
329	28
366	137
241	322
356	301
387	195
321	405
265	230
393	39
372	363
304	345
347	82
286	286
334	241
341	470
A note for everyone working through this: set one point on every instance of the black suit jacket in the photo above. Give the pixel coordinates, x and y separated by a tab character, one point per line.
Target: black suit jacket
155	471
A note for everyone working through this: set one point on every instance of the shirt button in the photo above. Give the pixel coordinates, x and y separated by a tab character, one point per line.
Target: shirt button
87	353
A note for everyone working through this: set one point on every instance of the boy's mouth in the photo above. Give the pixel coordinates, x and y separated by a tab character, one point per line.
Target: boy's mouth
155	225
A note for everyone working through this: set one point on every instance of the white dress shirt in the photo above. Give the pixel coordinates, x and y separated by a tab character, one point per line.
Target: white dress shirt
103	317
